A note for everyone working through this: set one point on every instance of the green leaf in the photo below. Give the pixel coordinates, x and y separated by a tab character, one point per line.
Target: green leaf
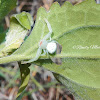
26	72
25	75
2	34
80	92
19	26
25	19
81	76
2	37
77	29
62	19
80	70
6	6
82	42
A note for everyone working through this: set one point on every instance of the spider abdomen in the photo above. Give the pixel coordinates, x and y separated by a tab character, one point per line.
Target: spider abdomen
51	47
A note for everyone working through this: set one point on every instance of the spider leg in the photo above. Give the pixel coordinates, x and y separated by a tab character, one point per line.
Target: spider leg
39	51
48	24
43	53
50	30
47	52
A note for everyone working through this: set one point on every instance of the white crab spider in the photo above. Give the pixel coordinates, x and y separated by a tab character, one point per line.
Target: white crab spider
48	46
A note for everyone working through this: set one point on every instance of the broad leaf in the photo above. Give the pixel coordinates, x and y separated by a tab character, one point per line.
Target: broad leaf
77	29
79	91
62	19
6	6
81	76
80	69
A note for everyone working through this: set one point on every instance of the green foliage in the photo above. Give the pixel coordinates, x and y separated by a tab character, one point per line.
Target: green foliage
24	19
6	6
2	34
79	75
62	19
77	29
19	26
25	75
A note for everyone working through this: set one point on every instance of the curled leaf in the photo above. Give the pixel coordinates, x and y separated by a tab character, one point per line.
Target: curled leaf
19	26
